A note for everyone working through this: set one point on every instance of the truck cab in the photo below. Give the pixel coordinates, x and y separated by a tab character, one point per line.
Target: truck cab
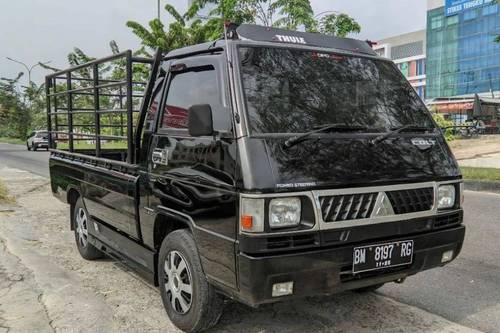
265	166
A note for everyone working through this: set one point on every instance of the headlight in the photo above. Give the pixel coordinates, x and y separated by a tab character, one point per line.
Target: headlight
446	196
284	212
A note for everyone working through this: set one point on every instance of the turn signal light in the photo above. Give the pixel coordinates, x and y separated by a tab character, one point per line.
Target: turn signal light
246	222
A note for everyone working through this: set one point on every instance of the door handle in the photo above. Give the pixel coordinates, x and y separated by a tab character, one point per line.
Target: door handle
160	156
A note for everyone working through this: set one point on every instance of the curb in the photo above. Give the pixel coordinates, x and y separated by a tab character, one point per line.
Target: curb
482	185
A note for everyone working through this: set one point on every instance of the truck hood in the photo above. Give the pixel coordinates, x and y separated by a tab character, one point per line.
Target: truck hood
330	162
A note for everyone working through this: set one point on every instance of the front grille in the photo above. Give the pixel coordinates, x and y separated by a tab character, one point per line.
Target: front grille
446	220
347	207
285	242
411	201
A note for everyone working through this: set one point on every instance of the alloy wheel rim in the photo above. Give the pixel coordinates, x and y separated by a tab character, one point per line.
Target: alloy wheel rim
178	282
81	227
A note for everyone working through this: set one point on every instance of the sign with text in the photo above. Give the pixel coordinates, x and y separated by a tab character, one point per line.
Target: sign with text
454	7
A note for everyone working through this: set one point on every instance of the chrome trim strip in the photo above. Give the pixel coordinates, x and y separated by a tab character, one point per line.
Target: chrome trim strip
382	219
369	189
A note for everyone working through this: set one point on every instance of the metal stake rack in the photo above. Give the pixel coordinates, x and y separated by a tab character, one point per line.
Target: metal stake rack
87	82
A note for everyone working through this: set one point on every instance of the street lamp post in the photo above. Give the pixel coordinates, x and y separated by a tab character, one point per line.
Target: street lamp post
29	69
159	10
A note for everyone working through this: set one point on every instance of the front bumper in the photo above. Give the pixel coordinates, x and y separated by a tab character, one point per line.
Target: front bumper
41	144
329	271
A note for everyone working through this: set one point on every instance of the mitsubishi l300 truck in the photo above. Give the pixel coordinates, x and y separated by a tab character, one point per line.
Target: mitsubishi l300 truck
265	166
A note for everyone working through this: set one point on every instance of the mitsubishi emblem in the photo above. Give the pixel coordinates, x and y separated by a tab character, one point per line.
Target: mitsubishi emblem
382	206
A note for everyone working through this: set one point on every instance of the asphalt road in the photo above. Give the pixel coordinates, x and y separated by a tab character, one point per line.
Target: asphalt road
17	156
466	292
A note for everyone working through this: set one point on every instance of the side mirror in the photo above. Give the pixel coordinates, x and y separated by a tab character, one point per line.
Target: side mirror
200	120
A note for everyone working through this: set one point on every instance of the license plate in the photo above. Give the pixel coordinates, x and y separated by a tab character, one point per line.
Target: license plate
380	256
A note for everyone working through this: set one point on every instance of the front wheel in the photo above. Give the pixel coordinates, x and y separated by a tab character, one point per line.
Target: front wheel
190	301
33	146
81	225
28	146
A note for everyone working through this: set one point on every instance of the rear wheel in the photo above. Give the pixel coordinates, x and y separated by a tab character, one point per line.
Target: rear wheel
190	301
81	225
369	288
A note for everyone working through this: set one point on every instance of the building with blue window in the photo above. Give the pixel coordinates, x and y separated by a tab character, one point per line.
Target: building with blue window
463	58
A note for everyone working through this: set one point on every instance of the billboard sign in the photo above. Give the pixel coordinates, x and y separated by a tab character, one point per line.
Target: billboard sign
454	7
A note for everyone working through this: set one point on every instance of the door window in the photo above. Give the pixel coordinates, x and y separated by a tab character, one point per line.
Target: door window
197	85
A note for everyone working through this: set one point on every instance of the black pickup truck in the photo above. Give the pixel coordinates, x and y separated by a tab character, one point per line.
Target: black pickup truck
264	166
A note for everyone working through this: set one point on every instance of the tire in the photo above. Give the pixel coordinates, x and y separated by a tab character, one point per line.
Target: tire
369	288
80	222
28	146
33	146
180	271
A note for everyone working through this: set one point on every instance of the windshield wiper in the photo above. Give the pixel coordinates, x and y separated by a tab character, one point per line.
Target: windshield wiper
323	128
396	130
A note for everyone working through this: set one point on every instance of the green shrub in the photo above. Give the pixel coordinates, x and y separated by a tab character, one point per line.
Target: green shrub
481	173
444	124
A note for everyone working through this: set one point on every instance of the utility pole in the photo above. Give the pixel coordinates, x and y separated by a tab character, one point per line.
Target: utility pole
29	69
159	10
491	86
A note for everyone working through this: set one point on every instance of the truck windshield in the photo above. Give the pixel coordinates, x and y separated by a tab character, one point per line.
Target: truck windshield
294	91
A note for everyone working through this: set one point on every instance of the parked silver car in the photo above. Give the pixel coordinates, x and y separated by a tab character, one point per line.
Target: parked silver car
38	139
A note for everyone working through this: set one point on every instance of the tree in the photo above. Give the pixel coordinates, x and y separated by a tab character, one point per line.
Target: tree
179	34
338	25
15	117
188	29
288	14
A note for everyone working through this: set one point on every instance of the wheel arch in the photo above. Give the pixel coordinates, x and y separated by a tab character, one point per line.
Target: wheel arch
167	221
72	196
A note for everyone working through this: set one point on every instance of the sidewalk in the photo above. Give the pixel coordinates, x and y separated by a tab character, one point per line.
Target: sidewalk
485	161
475	148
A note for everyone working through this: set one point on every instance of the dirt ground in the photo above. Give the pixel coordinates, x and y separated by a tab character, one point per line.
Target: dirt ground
477	147
45	286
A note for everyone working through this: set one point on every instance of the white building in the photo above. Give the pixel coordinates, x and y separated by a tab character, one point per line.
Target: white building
408	51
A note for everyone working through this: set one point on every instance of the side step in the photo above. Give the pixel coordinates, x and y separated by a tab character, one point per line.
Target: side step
123	249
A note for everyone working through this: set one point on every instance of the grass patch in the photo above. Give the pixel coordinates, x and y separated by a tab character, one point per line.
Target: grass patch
481	173
85	145
4	194
4	139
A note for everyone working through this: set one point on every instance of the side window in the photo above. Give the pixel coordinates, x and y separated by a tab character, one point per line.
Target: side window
198	85
155	103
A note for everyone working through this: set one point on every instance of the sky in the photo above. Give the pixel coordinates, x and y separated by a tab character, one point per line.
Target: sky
47	30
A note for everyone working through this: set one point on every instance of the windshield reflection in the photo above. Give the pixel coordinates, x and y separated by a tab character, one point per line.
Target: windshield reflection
294	91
